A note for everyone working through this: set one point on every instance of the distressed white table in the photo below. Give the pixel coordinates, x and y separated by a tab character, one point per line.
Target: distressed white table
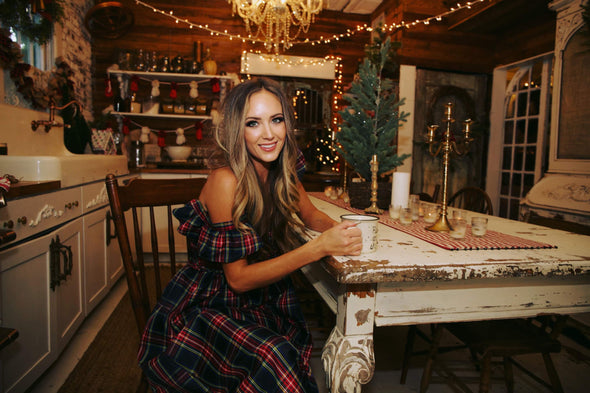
410	281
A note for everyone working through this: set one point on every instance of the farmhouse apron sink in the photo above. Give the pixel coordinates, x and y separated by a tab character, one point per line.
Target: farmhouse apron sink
70	170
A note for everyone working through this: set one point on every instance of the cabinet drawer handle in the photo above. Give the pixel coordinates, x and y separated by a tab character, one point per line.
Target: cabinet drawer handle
114	235
59	252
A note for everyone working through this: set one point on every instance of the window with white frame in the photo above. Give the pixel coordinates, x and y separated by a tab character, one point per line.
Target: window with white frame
35	54
519	131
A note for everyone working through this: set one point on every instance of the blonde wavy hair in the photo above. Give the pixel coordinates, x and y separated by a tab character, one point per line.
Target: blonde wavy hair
270	208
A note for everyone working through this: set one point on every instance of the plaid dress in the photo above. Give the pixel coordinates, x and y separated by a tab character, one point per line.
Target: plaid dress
203	337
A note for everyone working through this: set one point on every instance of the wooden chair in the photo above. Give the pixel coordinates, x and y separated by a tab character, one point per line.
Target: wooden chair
487	340
505	339
424	196
130	198
473	199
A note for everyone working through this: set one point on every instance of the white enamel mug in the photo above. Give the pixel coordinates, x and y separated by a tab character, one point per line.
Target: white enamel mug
369	229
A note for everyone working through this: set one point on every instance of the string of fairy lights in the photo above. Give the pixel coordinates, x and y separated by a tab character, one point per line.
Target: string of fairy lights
322	40
337	85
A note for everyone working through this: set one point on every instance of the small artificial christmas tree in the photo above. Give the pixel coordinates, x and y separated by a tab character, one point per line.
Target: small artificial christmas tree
371	121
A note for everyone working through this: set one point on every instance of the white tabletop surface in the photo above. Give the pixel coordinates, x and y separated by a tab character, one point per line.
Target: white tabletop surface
402	257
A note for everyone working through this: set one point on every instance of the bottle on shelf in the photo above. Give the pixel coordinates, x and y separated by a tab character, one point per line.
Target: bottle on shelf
139	61
118	103
135	105
165	64
177	65
153	64
122	102
127	104
197	64
124	60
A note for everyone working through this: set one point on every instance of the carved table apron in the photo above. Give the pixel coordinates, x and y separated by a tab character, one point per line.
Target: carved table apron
409	281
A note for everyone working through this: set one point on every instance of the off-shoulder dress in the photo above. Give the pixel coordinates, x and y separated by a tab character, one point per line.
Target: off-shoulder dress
203	337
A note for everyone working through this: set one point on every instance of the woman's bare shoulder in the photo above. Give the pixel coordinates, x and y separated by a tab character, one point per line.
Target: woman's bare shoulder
219	190
223	178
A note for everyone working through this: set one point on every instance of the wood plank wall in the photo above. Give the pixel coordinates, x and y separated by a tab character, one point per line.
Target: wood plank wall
459	43
446	45
489	34
153	31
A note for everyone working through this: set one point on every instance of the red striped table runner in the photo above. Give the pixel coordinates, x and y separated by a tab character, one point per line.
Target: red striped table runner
491	241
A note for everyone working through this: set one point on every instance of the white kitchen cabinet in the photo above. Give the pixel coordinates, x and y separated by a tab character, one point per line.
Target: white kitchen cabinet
45	317
114	260
102	259
96	281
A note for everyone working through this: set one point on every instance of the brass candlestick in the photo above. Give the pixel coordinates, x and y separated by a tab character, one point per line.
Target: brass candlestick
446	145
374	186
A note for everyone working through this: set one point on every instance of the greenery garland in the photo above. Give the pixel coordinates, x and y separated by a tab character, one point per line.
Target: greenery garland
21	16
60	86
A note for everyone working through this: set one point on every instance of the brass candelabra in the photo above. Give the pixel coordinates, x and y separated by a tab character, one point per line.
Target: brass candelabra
448	144
374	169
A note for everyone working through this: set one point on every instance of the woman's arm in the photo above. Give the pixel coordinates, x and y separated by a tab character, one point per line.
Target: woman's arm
312	217
218	195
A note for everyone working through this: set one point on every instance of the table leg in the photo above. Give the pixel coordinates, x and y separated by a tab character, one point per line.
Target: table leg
348	357
349	361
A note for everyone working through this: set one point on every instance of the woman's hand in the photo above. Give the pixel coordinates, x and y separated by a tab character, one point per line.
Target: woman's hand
343	238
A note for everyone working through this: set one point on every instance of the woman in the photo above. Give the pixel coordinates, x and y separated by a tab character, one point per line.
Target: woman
229	320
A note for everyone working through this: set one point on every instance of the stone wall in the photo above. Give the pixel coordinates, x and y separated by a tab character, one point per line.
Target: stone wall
72	42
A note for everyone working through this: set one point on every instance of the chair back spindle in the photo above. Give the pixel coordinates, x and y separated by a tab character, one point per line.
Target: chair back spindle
144	199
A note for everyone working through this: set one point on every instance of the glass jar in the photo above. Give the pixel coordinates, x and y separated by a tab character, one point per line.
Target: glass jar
167	106
178	107
201	106
137	155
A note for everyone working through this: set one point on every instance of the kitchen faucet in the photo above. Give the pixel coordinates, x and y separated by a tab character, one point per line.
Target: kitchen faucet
52	122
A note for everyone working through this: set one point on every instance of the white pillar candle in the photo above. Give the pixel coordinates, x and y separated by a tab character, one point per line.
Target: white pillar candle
400	189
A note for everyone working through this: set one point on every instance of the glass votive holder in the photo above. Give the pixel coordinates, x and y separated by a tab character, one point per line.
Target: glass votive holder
415	207
328	191
458	228
394	212
479	226
458	214
405	216
430	213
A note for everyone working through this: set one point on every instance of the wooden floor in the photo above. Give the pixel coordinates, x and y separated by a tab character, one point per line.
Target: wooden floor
573	363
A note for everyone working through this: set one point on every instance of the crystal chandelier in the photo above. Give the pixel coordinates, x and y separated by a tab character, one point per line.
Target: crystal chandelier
276	19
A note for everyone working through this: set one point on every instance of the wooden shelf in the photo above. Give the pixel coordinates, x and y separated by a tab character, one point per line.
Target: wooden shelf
178	116
167	76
